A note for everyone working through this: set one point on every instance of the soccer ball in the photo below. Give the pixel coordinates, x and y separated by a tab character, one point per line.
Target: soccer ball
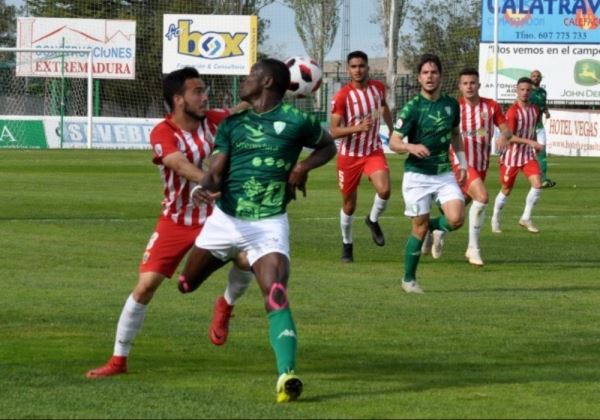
305	76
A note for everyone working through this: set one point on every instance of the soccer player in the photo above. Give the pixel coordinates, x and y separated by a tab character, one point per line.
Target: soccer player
520	156
254	174
356	112
180	143
427	126
478	116
538	98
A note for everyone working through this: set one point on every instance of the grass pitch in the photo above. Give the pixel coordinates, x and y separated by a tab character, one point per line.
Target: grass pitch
518	338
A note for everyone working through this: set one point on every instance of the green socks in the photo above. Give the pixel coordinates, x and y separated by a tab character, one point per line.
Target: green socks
439	223
282	334
541	157
412	253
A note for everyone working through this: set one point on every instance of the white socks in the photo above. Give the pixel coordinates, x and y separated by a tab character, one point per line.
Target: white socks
476	217
532	197
499	204
237	283
130	322
378	208
346	226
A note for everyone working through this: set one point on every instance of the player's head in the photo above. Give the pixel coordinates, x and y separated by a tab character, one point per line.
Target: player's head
358	66
185	92
536	77
524	86
468	83
429	70
267	75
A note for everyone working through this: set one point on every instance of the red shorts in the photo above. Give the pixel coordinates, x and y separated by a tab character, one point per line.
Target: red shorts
167	246
508	174
472	175
350	168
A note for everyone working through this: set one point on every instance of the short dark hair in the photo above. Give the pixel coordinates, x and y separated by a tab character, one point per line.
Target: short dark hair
357	54
469	71
279	71
174	82
524	80
429	58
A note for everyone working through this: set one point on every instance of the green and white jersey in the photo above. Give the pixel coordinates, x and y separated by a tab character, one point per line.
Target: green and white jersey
538	98
263	149
429	123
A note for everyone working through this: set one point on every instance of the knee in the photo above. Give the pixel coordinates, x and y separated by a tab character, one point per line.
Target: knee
384	194
144	291
455	222
276	297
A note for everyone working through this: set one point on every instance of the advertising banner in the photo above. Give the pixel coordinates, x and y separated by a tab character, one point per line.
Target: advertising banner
213	44
107	132
573	133
542	21
575	79
560	38
112	43
19	133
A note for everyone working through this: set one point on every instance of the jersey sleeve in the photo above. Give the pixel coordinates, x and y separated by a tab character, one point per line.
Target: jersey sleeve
499	117
338	104
163	142
217	115
511	119
223	139
312	130
405	120
456	110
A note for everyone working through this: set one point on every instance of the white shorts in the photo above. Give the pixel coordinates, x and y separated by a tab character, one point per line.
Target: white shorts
419	191
540	135
226	236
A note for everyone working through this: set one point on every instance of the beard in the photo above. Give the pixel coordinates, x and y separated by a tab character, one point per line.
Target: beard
193	114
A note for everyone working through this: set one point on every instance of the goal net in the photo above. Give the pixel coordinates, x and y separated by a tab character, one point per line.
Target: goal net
42	91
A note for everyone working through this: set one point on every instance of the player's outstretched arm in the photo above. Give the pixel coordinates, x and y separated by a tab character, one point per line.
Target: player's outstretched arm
324	151
178	163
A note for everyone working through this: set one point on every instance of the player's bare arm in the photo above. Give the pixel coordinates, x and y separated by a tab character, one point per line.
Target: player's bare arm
459	149
208	189
338	130
239	107
397	145
178	163
532	143
503	140
324	151
387	117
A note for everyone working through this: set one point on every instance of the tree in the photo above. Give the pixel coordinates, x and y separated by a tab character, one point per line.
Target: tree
7	24
316	22
451	30
390	15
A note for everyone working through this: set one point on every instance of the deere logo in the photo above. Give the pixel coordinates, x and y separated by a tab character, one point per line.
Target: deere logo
211	45
587	72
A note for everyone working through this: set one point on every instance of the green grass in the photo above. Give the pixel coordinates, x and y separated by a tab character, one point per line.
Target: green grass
518	338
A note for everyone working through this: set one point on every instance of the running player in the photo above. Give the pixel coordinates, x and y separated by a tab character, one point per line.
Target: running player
356	112
428	125
180	143
520	156
478	117
538	98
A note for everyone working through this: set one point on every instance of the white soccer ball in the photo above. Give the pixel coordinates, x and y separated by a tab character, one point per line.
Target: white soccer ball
305	76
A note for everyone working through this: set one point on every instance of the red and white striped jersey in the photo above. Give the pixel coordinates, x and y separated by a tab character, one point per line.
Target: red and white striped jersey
477	131
353	105
167	138
521	121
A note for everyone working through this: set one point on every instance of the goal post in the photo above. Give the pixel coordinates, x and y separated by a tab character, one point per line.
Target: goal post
28	84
